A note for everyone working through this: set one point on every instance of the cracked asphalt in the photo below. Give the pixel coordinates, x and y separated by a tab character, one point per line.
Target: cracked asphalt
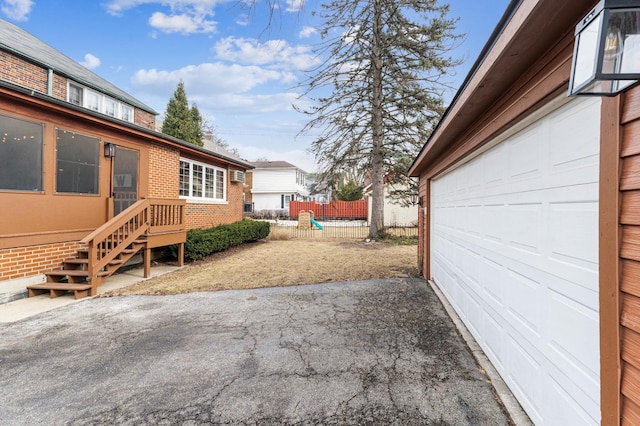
368	352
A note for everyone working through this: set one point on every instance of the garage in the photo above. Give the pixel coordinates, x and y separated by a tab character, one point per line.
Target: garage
514	248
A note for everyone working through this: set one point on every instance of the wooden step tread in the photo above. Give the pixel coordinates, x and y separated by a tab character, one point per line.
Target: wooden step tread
60	289
59	286
75	261
70	273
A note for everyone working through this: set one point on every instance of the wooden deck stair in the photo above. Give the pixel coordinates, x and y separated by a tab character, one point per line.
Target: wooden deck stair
109	247
74	275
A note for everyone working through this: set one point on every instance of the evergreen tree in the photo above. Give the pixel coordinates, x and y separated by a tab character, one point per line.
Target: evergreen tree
350	192
183	122
384	68
197	122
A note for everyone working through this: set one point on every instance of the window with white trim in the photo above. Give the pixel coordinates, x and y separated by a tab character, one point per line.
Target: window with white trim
110	107
126	113
75	94
202	181
95	101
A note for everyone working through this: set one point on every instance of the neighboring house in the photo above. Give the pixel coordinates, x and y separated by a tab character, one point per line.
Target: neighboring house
81	166
273	184
396	213
530	223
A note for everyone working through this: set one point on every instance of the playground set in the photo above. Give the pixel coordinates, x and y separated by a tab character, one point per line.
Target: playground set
306	220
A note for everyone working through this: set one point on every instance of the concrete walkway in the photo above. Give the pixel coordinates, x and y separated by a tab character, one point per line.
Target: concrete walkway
27	307
369	352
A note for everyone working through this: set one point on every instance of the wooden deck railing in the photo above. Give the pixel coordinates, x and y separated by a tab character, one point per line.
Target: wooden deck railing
144	217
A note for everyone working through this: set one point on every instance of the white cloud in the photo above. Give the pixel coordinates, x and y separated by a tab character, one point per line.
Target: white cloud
183	23
17	9
210	77
240	103
307	32
219	87
90	61
278	53
178	16
294	5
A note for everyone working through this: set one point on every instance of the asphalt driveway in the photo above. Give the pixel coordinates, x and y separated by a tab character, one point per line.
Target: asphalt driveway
370	352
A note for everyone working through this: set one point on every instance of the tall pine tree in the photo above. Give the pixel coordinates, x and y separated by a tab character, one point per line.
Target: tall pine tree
378	93
183	122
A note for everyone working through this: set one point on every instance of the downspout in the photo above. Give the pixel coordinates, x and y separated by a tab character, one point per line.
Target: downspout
50	83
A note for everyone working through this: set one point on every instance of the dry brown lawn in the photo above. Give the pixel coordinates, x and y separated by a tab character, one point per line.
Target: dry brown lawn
273	263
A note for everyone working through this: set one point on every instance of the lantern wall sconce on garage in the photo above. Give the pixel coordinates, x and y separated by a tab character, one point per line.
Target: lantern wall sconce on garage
606	56
415	199
109	149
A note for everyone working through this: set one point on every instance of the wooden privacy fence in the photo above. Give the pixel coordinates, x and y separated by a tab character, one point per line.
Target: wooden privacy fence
334	210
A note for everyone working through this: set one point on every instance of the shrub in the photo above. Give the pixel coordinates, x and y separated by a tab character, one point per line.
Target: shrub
203	242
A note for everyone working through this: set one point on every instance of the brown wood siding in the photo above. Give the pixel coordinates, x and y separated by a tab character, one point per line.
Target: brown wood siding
609	274
630	258
423	229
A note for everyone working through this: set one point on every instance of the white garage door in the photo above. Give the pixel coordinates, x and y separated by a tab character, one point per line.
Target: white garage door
514	247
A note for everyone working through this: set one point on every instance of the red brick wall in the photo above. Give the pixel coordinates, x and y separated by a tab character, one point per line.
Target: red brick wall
18	71
144	119
210	215
23	73
59	87
164	172
23	262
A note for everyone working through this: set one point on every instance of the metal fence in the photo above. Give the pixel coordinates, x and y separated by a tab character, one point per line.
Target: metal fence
284	229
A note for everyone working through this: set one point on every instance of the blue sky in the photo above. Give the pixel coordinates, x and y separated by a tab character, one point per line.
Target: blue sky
242	73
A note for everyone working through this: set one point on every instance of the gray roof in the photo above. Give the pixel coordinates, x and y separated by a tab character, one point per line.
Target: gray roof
273	165
18	41
220	151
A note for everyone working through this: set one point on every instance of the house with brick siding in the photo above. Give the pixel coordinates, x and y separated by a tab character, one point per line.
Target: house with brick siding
85	180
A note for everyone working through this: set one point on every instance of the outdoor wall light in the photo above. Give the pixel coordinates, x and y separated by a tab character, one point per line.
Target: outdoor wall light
109	150
415	199
606	56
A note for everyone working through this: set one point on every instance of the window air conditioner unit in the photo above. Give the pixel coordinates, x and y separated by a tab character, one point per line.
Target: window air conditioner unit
237	176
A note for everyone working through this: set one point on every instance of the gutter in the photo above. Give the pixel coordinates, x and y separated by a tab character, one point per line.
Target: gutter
497	31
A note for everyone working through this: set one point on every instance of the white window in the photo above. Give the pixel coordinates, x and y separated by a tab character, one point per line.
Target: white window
75	94
127	113
96	101
93	101
202	181
110	107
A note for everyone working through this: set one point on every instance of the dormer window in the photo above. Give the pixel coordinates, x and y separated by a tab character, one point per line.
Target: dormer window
95	101
75	94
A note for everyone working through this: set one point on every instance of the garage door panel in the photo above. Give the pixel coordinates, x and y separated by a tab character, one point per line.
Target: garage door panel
493	334
493	282
516	254
576	137
569	405
495	173
571	340
525	372
524	156
494	217
574	229
524	303
525	223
